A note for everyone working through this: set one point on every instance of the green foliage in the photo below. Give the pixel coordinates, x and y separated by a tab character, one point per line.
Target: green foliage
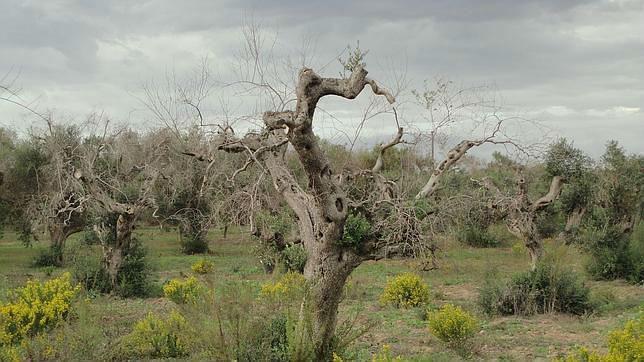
89	237
355	59
134	273
563	159
452	325
203	266
549	288
183	291
155	337
615	254
549	223
193	242
88	270
294	258
404	291
35	308
133	279
474	235
50	256
356	230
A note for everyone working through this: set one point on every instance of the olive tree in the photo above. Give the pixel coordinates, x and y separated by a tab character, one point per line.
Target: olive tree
519	211
118	172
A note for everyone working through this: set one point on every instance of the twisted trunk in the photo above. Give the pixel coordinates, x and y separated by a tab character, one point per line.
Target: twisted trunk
328	269
574	220
59	231
113	255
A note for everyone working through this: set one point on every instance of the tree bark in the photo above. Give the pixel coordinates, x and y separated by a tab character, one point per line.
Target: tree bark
574	219
328	269
58	234
113	255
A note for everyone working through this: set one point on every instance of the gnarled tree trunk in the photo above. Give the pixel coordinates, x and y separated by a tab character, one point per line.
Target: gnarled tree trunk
114	254
59	231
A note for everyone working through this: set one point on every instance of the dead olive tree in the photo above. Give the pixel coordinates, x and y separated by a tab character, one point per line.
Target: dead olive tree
323	207
118	174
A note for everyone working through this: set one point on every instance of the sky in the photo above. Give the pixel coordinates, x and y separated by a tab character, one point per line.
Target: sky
577	67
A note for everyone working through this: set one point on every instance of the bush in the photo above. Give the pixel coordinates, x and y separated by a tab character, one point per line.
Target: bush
90	237
404	291
35	308
385	355
294	258
452	325
88	270
203	266
153	337
626	344
615	255
475	236
133	276
291	286
50	256
194	244
183	291
519	249
547	289
356	229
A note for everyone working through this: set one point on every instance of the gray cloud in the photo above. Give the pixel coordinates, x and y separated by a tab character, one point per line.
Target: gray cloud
576	65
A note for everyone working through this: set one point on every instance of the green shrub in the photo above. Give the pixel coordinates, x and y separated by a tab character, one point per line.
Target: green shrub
615	255
404	291
356	229
452	325
519	249
477	237
294	258
154	337
183	291
134	273
549	288
36	307
203	266
50	256
89	237
88	270
549	224
194	243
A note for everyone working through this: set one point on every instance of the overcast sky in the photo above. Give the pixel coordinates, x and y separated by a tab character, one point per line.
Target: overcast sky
578	66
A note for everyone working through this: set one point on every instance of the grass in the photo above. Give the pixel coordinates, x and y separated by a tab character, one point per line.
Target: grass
461	272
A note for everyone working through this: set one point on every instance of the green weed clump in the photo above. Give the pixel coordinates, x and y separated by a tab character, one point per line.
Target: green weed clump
35	308
183	291
154	337
452	325
550	288
203	266
404	291
475	236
